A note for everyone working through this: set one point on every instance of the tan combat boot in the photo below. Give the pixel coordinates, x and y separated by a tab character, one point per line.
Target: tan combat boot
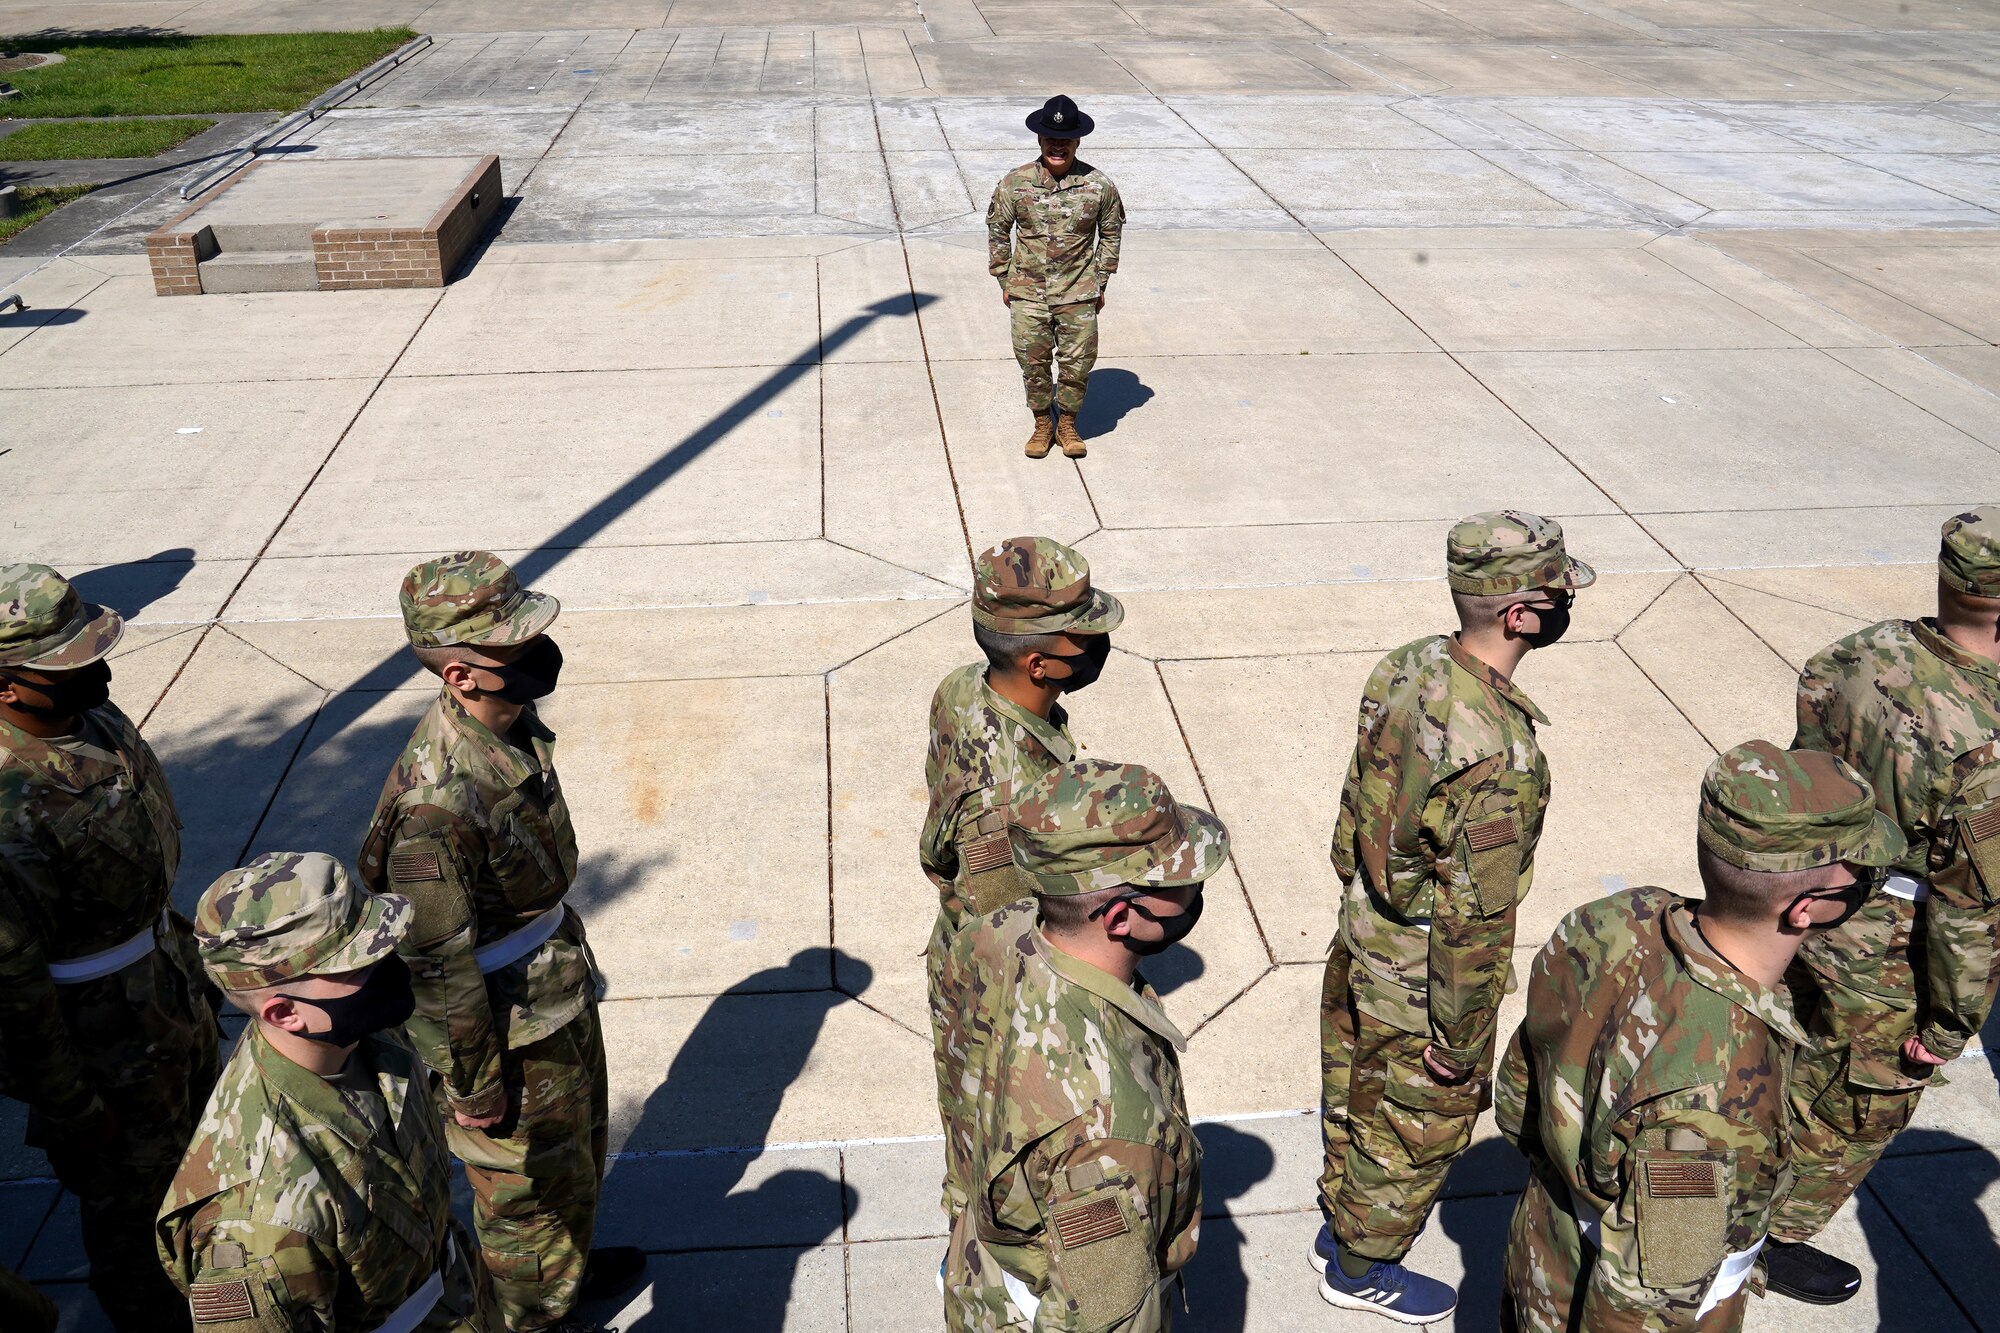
1072	443
1038	443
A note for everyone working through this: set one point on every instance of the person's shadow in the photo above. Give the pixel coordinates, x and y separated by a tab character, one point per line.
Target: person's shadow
1112	393
1218	1283
726	1255
1169	971
1928	1195
1478	1203
131	587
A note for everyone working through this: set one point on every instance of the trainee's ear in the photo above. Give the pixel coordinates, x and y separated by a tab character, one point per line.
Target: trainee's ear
280	1012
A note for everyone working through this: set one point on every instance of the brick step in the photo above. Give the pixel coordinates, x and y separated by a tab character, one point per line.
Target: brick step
260	271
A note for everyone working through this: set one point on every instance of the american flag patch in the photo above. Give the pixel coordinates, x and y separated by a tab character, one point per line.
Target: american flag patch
1682	1180
1985	824
1491	833
1090	1222
988	853
405	867
220	1302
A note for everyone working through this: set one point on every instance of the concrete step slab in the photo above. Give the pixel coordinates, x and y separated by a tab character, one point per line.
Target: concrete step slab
260	271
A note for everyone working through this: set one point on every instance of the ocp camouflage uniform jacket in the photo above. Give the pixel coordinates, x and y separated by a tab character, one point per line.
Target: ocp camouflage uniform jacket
1439	818
1919	717
89	842
1054	241
984	747
294	1211
475	833
1647	1088
1089	1170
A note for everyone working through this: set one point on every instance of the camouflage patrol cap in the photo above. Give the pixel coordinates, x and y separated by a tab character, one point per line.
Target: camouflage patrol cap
1032	585
1095	825
1764	808
472	597
45	626
293	914
1969	558
1509	551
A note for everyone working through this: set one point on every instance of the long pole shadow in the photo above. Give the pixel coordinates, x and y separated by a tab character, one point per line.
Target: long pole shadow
397	668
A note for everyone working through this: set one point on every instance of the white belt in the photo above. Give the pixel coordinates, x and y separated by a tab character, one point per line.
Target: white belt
104	962
1729	1278
512	948
418	1305
1906	886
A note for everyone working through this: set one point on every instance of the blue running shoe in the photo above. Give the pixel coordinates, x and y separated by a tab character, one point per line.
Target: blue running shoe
1390	1290
1324	1251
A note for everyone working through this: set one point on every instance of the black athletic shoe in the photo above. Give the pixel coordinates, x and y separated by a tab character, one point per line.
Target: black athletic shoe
1807	1273
612	1271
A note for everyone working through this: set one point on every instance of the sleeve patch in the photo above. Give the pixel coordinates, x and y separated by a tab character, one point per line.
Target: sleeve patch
1683	1180
1489	834
405	867
1089	1223
1984	825
987	853
220	1302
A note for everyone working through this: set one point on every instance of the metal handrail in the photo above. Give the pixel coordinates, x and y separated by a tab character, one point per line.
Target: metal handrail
305	115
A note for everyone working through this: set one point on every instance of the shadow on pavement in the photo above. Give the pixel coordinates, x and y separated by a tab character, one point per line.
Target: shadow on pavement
1173	969
728	1237
1479	1200
135	585
1218	1280
1112	394
1927	1198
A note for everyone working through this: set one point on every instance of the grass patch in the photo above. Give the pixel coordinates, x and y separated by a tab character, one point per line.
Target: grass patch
32	203
175	75
97	138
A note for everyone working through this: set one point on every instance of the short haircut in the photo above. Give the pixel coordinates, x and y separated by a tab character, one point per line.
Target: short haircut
1004	650
435	660
1751	896
1478	610
1068	914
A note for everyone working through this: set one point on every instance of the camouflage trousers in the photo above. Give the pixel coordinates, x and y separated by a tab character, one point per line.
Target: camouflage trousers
537	1174
1839	1130
1553	1281
1066	334
151	1050
1389	1131
22	1307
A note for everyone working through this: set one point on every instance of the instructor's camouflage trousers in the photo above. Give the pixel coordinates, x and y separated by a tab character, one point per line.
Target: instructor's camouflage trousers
150	1047
1389	1131
1066	333
537	1174
1840	1129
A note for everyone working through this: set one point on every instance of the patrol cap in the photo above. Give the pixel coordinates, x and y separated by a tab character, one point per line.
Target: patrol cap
1033	585
1093	825
45	626
1508	551
1969	557
472	597
1765	808
293	914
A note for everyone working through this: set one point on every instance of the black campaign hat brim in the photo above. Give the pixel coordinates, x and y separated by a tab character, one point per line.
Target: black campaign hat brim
1084	125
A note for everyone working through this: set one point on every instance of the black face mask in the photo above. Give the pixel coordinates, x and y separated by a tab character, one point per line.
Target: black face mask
385	1000
1174	928
1850	898
69	692
1086	666
530	676
1554	624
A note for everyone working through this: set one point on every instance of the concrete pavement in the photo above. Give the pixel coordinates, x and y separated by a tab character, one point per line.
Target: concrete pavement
1712	282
